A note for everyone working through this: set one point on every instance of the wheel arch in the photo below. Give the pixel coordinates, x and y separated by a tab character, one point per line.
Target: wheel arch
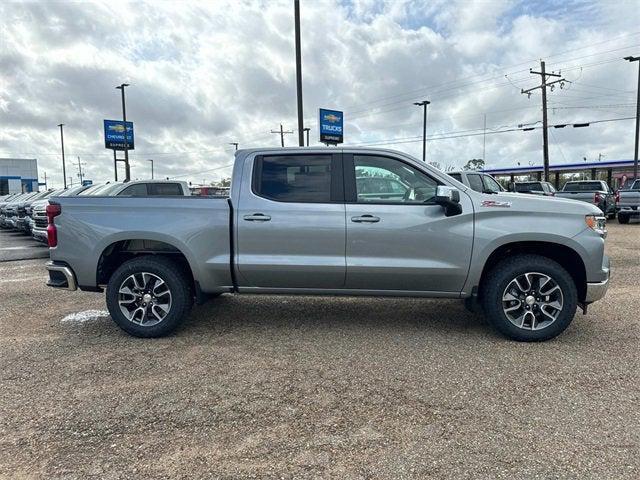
564	255
120	251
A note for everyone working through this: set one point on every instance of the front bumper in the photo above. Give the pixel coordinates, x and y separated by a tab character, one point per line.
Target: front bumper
61	276
39	234
597	290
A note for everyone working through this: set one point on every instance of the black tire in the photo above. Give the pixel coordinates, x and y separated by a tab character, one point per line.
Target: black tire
497	280
611	216
622	218
177	283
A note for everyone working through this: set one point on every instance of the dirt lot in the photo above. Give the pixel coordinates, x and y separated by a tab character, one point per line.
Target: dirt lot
284	387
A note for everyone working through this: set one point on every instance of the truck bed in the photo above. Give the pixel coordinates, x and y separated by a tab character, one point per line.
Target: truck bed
88	226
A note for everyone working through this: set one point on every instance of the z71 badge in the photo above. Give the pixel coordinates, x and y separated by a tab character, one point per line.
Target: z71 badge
494	203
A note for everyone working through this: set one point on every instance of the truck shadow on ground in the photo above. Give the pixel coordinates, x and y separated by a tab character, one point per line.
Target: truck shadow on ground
229	313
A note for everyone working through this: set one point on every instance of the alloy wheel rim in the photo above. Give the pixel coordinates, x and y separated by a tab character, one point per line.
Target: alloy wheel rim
532	301
144	299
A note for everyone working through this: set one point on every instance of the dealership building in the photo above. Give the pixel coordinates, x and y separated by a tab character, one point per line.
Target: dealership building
18	175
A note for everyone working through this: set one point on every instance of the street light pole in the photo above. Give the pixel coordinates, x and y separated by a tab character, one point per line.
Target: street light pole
424	104
307	129
151	168
235	144
127	171
64	170
296	8
635	155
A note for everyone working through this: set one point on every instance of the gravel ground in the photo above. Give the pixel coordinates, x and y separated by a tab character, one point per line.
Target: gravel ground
288	387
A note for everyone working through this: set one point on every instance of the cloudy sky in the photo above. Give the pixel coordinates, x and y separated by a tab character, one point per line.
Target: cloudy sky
204	74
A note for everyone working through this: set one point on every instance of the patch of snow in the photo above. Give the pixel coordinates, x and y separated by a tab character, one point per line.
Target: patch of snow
85	316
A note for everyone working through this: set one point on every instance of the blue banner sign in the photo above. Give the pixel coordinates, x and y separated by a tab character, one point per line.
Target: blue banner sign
114	135
331	126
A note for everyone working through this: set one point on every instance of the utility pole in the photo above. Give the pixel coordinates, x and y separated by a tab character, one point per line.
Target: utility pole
484	141
296	8
635	155
424	104
79	169
307	129
151	168
235	144
64	170
282	134
543	86
45	181
127	171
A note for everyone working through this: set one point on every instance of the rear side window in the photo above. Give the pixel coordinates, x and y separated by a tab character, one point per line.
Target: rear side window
529	187
456	176
137	190
475	182
164	189
294	178
583	187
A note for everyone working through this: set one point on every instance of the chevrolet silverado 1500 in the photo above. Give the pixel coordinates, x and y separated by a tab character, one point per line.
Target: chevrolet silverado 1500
297	222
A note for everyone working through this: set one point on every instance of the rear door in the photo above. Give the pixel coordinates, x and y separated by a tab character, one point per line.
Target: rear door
291	222
403	242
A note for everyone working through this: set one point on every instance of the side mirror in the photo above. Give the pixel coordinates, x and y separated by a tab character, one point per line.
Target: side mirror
449	199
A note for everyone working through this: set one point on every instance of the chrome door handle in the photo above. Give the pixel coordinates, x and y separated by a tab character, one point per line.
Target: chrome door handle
365	219
257	217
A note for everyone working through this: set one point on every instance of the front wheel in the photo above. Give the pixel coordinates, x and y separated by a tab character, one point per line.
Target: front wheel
529	298
623	218
149	296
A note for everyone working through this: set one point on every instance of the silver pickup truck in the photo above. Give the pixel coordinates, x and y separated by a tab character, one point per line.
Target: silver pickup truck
596	192
296	222
629	203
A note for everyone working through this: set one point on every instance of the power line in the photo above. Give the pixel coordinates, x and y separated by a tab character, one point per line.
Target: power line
458	134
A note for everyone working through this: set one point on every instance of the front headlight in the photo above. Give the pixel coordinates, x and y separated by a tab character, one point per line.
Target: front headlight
597	223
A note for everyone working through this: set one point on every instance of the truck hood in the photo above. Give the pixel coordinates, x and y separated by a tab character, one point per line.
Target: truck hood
534	203
40	203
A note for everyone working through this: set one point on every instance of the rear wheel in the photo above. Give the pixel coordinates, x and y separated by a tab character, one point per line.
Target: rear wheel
529	298
623	218
149	296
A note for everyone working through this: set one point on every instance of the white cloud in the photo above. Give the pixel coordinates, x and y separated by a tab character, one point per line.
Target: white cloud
205	74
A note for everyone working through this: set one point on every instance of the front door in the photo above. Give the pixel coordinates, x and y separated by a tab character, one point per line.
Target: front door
291	223
397	237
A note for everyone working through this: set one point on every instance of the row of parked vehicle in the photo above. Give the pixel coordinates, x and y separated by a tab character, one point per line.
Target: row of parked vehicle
624	203
26	212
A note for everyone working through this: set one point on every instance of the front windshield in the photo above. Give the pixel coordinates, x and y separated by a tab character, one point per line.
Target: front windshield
92	188
106	190
72	191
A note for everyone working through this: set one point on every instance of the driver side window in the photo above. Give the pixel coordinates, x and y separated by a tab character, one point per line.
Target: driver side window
387	180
